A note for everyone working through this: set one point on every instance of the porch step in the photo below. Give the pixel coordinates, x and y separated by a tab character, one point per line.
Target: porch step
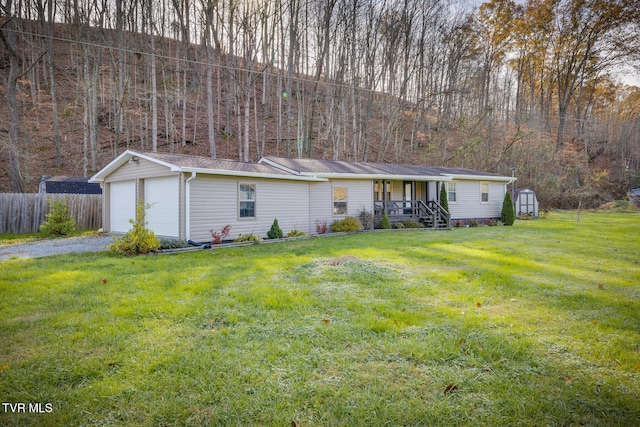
428	222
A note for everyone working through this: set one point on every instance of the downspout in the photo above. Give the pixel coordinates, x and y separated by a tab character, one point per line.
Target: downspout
103	208
187	208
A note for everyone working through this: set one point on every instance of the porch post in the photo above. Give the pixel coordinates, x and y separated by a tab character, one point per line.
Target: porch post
414	202
384	197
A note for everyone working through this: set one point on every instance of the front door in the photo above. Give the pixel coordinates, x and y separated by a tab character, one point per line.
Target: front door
407	196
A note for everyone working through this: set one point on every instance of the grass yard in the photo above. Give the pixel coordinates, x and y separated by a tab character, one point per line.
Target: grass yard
536	324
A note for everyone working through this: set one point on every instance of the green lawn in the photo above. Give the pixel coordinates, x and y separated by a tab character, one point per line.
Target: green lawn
536	324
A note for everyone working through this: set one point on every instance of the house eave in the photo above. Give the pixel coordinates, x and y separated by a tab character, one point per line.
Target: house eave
452	176
244	174
382	177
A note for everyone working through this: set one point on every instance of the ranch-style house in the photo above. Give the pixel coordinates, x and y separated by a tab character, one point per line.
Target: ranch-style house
188	195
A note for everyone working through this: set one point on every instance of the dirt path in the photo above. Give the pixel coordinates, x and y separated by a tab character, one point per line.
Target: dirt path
49	247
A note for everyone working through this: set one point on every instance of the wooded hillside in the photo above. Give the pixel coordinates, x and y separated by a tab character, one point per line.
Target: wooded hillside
508	85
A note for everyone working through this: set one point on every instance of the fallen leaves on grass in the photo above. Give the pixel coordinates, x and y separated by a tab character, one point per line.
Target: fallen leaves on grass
450	389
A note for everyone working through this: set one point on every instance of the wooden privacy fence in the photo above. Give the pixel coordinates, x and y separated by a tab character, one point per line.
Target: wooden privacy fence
24	212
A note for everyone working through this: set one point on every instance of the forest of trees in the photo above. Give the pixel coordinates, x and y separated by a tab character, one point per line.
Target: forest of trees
532	85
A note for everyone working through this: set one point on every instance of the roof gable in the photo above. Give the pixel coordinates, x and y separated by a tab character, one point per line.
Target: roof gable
199	164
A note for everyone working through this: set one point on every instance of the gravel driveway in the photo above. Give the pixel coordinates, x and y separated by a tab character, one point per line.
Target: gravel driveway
56	246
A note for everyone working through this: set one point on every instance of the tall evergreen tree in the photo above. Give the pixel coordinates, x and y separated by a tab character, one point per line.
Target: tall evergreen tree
444	199
508	212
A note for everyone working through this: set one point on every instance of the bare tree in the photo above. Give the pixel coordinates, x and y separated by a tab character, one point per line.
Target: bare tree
8	35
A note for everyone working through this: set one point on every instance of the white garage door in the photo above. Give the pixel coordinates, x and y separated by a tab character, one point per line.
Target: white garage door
122	205
162	214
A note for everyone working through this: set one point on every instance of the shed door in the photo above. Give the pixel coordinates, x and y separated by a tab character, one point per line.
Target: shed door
526	203
163	213
122	205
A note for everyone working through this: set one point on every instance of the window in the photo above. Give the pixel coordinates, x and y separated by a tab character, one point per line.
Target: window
484	192
339	201
452	191
378	190
247	200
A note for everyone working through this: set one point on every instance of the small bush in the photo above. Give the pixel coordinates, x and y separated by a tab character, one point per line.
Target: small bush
366	218
398	225
247	238
321	227
139	240
409	223
58	222
349	223
168	243
275	232
473	223
218	236
459	223
296	233
385	224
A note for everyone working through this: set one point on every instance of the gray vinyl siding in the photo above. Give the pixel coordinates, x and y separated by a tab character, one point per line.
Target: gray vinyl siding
214	204
468	204
396	190
143	169
359	197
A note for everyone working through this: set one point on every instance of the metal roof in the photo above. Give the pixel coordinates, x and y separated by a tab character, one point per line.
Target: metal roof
330	168
297	169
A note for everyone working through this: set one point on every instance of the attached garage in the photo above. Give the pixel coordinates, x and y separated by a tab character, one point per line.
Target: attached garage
161	195
122	205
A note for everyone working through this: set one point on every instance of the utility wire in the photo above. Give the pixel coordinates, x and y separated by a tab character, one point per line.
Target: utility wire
231	69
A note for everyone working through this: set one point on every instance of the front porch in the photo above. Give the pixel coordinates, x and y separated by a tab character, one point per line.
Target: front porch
431	214
410	200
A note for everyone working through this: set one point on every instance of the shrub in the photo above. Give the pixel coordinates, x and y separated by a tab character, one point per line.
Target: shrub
508	215
275	232
168	243
366	218
444	199
138	240
410	223
473	223
296	233
349	223
218	236
321	227
247	238
398	225
58	222
385	224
